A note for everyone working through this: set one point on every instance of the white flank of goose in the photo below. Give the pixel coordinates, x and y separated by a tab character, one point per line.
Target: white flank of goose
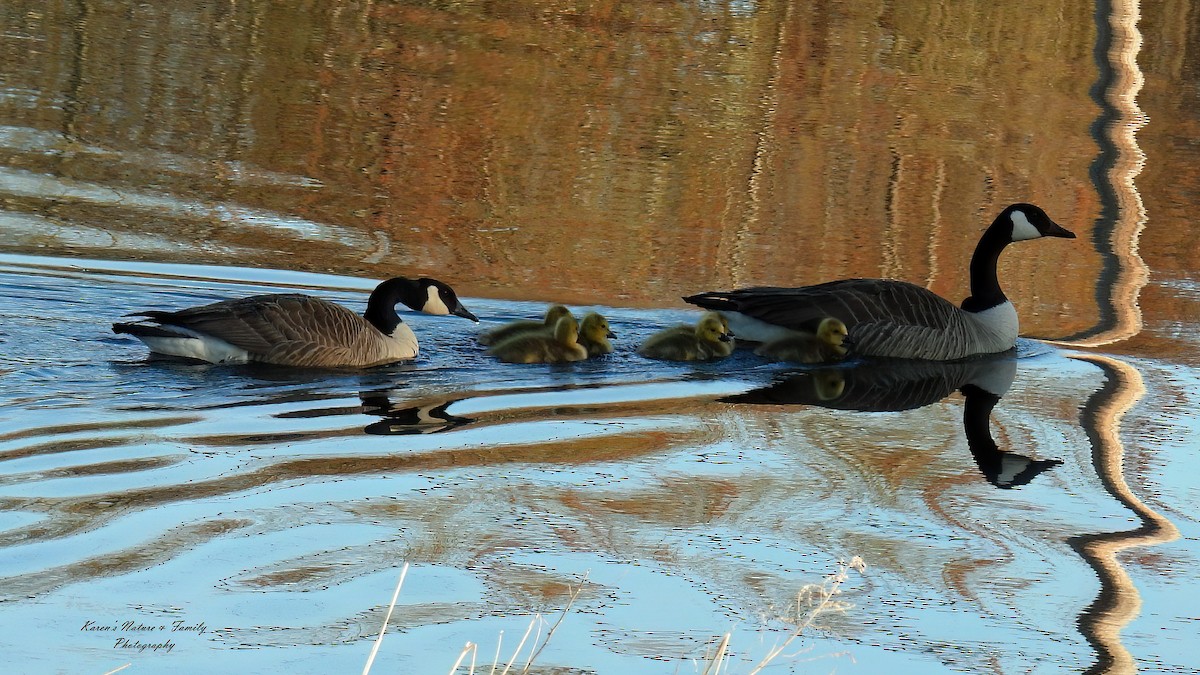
889	318
291	329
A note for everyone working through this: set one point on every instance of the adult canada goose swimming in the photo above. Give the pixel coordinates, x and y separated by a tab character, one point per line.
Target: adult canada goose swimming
594	333
553	314
537	347
706	340
290	329
888	318
828	344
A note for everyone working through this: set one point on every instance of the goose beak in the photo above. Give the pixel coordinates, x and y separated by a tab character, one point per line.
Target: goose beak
1056	230
725	337
847	341
611	334
462	311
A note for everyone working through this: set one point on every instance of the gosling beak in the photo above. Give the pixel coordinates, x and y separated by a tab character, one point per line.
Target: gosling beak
611	334
462	311
1056	230
725	337
847	341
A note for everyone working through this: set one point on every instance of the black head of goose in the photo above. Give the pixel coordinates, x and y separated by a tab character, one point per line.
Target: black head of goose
896	319
291	329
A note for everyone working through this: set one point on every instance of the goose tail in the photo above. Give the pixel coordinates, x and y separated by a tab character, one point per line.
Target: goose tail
714	301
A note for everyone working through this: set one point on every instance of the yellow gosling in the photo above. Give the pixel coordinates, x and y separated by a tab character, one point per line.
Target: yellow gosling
496	335
708	339
539	347
829	344
594	334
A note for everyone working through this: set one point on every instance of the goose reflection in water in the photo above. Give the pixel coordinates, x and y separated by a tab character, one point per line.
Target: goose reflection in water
427	418
902	385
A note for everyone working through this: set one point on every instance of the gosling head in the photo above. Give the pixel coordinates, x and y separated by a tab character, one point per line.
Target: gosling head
712	328
554	313
833	332
719	317
566	330
595	328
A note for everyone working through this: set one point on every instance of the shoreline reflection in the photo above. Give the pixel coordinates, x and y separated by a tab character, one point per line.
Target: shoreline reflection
1118	602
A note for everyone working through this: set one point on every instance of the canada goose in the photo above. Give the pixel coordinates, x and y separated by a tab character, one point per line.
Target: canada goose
706	340
890	318
594	334
290	329
553	314
537	347
828	344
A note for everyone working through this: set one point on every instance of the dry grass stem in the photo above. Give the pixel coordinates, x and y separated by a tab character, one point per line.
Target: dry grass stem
117	670
714	666
386	618
550	633
496	658
469	648
820	597
521	644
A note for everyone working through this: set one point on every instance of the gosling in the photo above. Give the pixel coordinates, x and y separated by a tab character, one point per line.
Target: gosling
708	339
538	347
497	335
827	345
594	334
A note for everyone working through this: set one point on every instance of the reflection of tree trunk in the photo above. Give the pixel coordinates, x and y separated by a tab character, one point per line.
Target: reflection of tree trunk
1118	602
73	88
1120	161
764	141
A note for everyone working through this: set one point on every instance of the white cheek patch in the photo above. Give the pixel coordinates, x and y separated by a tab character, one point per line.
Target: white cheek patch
1022	228
434	304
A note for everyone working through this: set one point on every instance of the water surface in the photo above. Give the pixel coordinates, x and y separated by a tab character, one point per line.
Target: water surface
1030	513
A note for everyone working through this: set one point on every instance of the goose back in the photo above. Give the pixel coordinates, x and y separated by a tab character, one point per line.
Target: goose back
293	330
885	318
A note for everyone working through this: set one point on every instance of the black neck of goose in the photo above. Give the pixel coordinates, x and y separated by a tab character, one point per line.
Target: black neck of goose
985	285
381	306
977	414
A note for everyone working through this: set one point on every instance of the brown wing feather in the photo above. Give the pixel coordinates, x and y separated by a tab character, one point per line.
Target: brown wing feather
854	301
282	328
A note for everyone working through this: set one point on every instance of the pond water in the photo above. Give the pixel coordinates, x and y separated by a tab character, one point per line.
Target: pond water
1033	512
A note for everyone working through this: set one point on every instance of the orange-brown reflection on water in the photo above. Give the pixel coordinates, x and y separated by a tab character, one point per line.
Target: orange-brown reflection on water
625	154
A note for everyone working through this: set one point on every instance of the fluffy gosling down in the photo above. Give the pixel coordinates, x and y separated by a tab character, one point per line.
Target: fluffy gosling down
828	344
497	335
538	347
594	333
708	339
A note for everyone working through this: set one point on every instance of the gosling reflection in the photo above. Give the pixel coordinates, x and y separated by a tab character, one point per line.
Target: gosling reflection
422	418
898	386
